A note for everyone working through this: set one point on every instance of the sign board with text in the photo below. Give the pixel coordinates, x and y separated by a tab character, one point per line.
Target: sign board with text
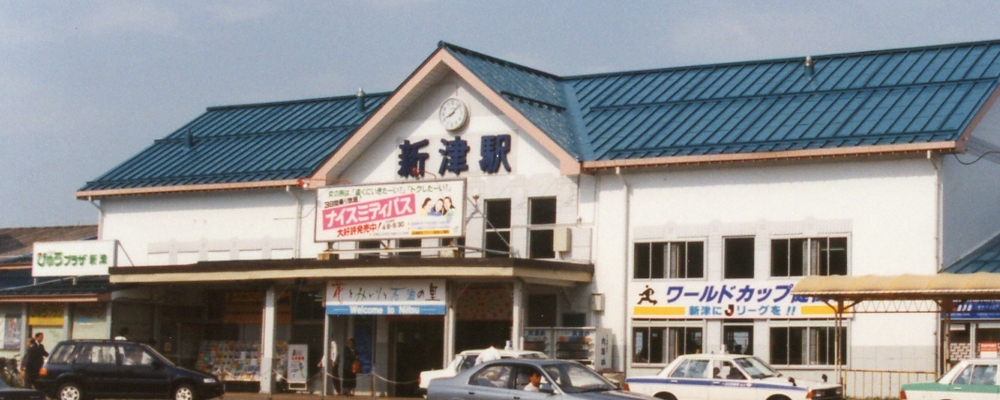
425	209
78	258
386	297
678	299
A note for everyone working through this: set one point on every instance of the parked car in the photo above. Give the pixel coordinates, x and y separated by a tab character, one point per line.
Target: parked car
508	379
728	376
11	393
969	379
466	360
87	369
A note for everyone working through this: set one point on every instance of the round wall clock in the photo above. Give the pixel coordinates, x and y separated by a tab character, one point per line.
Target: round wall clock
453	114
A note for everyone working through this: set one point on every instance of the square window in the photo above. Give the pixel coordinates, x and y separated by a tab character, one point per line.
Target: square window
540	243
676	260
543	210
809	256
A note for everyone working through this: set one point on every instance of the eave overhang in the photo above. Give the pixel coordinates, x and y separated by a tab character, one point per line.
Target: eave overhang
93	194
530	271
906	287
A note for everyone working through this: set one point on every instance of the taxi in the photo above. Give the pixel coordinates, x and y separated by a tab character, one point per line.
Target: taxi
728	376
969	379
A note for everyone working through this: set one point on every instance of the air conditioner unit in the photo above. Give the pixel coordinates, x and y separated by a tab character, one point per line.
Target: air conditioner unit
561	240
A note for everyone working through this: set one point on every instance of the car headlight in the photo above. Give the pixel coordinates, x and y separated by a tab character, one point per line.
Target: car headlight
209	380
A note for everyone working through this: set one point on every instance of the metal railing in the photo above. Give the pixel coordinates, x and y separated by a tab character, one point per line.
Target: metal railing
880	384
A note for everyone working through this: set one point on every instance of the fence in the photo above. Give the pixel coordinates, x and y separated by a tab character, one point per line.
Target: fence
880	384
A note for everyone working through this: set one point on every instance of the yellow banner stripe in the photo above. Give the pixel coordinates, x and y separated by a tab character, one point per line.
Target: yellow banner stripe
654	310
815	310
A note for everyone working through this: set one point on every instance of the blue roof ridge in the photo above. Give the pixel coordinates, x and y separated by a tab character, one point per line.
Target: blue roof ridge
452	47
198	176
290	102
780	60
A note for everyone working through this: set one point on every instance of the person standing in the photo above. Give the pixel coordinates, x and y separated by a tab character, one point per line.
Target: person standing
33	360
334	367
350	380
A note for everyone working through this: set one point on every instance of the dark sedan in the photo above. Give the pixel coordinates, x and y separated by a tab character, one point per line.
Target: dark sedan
11	393
520	379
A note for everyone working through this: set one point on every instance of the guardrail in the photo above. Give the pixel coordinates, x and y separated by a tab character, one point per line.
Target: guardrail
880	384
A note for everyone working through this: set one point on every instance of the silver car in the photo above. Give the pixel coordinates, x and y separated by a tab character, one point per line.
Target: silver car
512	379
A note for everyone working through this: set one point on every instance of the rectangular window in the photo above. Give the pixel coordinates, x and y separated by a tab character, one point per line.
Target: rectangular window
541	211
497	228
675	260
806	345
369	244
408	244
660	345
809	256
738	258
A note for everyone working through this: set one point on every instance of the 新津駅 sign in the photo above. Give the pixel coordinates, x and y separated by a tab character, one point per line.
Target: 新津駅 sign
425	209
78	258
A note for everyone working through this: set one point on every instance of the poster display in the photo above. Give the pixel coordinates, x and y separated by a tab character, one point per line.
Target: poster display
391	211
298	360
12	332
386	297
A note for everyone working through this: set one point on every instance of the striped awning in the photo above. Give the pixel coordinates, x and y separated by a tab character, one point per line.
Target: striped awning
977	286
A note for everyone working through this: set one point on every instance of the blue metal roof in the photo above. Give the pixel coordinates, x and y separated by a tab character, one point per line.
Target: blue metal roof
984	259
901	96
247	143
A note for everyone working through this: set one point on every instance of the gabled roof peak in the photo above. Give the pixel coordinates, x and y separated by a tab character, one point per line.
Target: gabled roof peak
495	60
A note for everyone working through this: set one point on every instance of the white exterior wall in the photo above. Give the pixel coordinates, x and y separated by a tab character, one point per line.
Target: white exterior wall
174	229
886	208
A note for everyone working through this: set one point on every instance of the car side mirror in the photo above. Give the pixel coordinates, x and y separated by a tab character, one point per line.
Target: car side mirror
546	388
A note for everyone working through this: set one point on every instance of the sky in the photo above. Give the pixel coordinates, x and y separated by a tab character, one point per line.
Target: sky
84	85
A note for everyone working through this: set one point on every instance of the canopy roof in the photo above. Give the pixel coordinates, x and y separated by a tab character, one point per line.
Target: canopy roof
977	286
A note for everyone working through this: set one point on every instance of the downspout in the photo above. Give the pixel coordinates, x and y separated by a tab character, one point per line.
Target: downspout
625	318
943	326
100	217
297	250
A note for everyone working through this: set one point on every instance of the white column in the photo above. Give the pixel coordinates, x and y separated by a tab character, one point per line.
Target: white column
518	327
449	323
267	340
327	362
67	321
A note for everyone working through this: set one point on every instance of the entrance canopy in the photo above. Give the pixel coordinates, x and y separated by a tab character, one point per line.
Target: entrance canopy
530	271
977	286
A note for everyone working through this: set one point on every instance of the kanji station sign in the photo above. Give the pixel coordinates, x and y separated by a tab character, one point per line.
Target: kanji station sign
391	211
454	152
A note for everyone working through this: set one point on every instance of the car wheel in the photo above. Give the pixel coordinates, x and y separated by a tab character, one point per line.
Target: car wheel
70	391
665	396
184	392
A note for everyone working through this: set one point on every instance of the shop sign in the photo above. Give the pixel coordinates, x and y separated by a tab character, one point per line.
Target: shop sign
977	309
722	300
45	315
77	258
391	211
386	297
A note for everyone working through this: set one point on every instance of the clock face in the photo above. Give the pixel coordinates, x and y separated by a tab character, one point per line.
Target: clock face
453	114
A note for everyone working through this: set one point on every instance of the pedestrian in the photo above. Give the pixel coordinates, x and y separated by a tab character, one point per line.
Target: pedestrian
122	334
334	370
351	359
33	360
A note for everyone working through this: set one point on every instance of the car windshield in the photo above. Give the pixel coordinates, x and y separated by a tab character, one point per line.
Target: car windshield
573	377
755	367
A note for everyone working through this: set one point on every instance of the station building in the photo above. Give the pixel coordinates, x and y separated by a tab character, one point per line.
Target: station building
620	219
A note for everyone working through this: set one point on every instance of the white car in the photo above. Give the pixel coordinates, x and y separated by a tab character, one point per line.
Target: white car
466	360
730	377
968	380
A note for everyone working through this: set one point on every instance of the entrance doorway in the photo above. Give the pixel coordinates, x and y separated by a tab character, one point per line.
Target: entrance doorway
418	345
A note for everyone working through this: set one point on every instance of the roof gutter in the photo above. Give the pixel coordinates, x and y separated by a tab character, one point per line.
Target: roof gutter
594	166
92	194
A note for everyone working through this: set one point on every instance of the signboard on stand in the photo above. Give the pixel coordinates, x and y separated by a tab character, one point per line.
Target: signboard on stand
298	361
425	209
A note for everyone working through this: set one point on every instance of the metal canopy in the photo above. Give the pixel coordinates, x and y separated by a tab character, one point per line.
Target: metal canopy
845	293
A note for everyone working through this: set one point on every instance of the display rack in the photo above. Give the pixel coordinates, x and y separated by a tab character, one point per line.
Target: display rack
238	360
591	346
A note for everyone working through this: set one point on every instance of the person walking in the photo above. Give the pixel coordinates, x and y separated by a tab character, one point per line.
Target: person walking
33	360
353	364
